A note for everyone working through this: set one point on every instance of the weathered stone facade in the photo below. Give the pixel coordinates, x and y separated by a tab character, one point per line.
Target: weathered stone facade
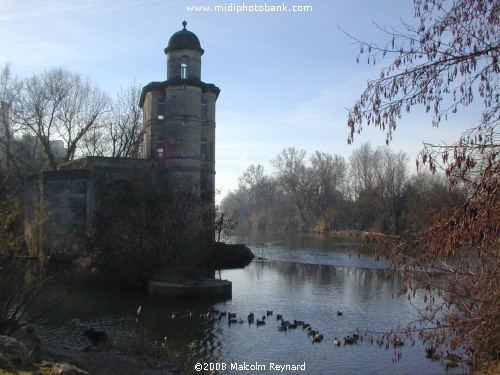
178	148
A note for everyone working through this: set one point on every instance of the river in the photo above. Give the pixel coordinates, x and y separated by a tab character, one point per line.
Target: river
304	277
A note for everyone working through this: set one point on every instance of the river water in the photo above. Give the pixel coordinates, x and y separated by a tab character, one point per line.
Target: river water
304	277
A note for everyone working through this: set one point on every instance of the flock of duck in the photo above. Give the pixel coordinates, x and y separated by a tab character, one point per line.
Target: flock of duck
215	315
282	325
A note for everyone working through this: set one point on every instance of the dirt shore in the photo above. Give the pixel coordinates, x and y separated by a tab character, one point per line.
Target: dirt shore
27	354
106	362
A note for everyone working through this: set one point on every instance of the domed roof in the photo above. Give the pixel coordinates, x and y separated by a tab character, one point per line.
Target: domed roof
184	39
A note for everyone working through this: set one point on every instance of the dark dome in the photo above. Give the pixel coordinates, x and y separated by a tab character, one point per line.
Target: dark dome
184	39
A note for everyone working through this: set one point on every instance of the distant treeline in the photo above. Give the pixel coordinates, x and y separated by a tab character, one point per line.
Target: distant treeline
324	193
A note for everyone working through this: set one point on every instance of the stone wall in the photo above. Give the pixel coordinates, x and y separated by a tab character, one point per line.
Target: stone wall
57	210
66	200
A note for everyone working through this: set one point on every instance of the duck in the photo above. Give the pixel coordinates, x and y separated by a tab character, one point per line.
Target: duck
281	328
292	325
397	343
231	315
298	322
232	320
348	340
355	337
206	316
430	352
336	342
260	322
339	313
263	317
250	318
312	332
452	357
269	312
223	313
240	321
285	322
97	338
306	326
279	316
317	338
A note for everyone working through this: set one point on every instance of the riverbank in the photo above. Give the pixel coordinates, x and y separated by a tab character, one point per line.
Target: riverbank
25	353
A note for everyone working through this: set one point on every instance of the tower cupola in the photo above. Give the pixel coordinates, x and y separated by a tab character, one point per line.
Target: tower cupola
184	55
184	39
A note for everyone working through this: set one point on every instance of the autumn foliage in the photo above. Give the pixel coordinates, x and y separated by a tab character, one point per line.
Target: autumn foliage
448	61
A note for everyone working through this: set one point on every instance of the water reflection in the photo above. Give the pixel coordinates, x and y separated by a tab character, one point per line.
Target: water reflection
310	248
311	290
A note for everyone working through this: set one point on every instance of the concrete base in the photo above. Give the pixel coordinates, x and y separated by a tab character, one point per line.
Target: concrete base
191	288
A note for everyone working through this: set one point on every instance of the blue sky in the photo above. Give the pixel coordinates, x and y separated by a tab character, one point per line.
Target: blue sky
287	78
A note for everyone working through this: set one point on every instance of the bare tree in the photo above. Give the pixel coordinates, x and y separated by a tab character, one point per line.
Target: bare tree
392	176
22	278
364	164
96	141
60	104
126	127
225	223
296	180
444	63
425	192
120	133
237	201
9	89
250	182
330	174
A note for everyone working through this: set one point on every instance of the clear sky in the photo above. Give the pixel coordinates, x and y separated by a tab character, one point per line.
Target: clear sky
287	78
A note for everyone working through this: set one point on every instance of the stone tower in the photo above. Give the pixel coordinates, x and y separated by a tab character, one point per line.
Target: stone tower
179	117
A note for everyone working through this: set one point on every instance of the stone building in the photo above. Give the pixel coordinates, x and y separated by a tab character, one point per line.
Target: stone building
179	115
178	148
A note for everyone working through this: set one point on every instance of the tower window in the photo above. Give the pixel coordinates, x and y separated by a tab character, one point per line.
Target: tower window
184	67
203	149
159	147
203	114
161	108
